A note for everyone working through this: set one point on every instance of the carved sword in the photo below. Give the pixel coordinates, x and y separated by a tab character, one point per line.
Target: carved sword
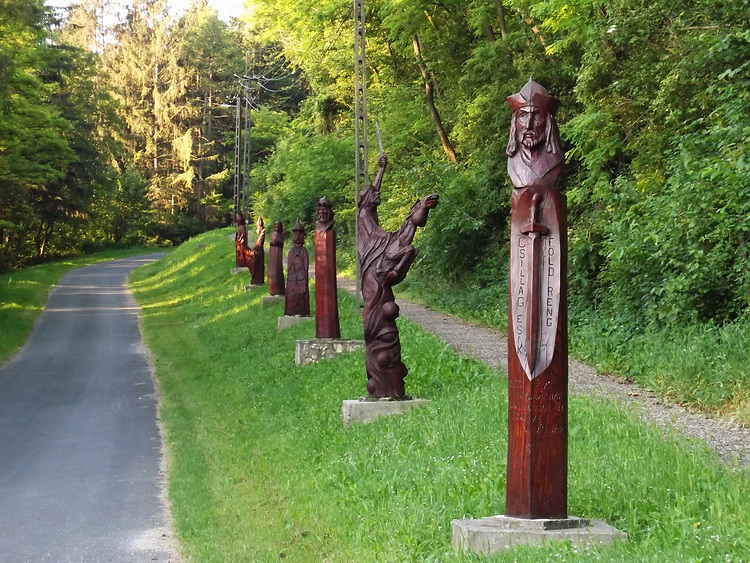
534	230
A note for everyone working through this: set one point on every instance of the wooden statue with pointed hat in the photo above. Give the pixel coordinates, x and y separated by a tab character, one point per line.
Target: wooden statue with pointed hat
297	295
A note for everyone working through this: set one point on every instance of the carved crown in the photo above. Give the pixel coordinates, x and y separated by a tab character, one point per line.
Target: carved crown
536	95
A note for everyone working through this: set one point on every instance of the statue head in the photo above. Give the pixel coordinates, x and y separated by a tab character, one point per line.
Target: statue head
278	227
259	224
369	197
325	209
325	214
298	234
533	126
239	219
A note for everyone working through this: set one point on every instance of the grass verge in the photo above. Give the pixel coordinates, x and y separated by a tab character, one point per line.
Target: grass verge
702	367
261	467
23	295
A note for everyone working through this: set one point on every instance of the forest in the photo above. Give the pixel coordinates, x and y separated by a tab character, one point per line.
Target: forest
117	127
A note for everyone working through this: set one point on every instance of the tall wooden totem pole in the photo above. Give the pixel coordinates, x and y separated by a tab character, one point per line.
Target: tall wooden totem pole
537	309
326	298
536	496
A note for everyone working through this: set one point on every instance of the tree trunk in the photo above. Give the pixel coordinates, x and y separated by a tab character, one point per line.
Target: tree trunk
489	32
501	16
430	100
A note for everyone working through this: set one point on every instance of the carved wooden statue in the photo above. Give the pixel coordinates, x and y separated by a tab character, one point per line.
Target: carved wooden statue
258	267
275	260
385	258
326	298
241	249
537	308
297	298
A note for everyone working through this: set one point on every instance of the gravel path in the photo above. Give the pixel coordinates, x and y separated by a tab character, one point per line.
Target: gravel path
730	440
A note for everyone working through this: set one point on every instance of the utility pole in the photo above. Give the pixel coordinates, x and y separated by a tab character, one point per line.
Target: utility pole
245	198
243	185
237	170
360	128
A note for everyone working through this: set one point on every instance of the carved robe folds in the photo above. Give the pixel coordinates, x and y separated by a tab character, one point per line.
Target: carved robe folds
275	261
297	298
385	258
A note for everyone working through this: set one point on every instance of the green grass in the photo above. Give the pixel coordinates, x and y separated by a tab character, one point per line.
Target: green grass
703	367
23	295
261	468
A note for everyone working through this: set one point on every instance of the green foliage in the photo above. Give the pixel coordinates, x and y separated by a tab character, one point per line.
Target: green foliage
304	168
90	102
654	118
704	367
261	467
677	252
121	210
52	156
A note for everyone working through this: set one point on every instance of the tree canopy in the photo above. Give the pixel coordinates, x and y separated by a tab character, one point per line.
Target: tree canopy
117	129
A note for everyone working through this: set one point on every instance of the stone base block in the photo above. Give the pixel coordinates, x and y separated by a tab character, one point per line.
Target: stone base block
286	321
365	410
236	271
498	533
309	351
271	300
252	286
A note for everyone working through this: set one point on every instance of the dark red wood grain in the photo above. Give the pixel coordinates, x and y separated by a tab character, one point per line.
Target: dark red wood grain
537	309
326	298
275	260
538	405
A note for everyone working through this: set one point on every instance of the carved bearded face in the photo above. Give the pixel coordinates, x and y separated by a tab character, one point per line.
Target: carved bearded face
325	214
531	126
298	237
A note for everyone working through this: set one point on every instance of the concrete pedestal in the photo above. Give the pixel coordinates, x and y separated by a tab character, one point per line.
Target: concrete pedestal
271	300
365	410
498	533
309	351
286	321
252	285
236	271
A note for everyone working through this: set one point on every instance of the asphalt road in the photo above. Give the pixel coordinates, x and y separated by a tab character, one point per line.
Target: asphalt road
80	449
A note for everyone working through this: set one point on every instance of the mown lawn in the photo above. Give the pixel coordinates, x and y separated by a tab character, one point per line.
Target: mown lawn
261	468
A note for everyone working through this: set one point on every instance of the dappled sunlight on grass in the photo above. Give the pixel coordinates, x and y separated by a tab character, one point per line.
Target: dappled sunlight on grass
236	310
19	307
187	266
738	409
